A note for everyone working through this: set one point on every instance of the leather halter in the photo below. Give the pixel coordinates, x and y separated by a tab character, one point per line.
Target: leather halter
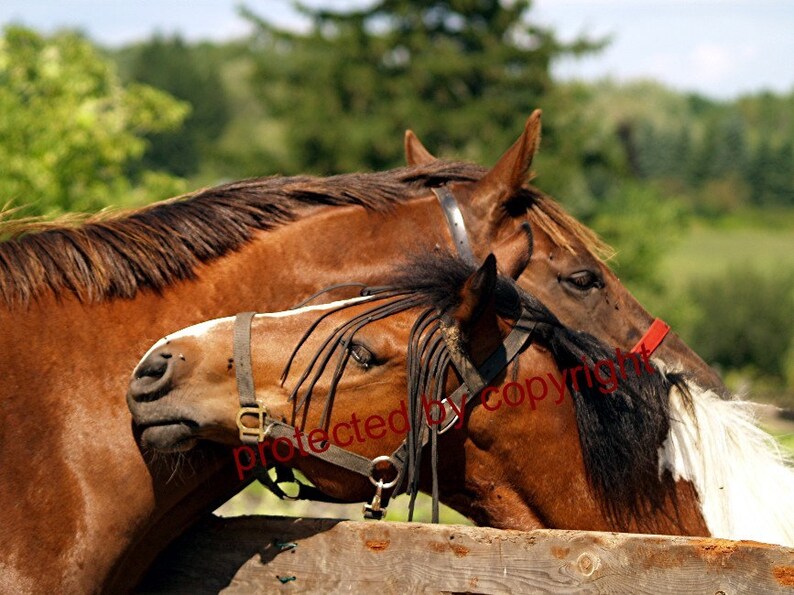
474	380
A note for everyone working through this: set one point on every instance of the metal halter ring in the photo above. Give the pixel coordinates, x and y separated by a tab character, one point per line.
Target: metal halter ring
379	483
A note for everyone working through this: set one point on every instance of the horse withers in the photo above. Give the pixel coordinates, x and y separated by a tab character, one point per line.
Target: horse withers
640	457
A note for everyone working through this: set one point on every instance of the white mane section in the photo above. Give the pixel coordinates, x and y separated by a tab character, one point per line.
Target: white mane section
745	483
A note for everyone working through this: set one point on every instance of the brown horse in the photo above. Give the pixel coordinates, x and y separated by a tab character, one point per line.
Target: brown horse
80	304
621	445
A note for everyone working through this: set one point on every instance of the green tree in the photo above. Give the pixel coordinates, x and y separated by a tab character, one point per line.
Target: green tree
464	74
745	319
173	66
770	174
69	129
722	149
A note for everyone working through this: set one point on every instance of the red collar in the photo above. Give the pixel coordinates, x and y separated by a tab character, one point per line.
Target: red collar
653	337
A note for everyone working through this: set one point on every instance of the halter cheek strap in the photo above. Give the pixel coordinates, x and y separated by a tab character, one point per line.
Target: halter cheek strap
242	359
268	427
653	337
455	223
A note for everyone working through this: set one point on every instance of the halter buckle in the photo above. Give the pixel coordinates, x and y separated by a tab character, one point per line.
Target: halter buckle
262	428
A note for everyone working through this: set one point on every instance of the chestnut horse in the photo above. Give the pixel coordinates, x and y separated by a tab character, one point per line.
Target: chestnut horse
624	446
78	305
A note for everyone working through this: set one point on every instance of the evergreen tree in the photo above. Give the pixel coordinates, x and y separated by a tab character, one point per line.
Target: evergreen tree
724	147
771	174
464	74
173	66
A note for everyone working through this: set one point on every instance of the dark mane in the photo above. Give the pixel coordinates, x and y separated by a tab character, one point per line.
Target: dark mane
619	433
116	256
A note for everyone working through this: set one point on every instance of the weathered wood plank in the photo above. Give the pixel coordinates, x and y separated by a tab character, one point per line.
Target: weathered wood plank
273	554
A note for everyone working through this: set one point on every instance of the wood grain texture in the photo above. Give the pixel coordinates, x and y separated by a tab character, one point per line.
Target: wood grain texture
274	554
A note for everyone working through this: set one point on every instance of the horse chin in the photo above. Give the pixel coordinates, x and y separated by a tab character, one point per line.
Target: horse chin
177	436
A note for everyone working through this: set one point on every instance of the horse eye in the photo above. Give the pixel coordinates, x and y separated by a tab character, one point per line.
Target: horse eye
584	280
361	355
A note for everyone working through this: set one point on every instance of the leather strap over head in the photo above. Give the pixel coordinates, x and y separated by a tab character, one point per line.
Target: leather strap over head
242	359
473	384
455	223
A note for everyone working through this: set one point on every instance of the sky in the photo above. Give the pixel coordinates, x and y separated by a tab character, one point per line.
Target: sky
720	48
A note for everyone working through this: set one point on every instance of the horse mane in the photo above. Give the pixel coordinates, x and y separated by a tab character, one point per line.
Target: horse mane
114	255
620	433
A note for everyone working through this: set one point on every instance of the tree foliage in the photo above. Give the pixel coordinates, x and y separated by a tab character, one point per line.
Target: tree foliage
744	319
69	129
722	155
464	74
624	219
171	65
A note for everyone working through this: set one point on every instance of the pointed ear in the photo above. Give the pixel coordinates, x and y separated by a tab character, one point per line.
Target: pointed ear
476	297
508	175
514	253
415	152
475	317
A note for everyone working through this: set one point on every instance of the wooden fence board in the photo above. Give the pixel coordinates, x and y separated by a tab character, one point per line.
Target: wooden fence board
274	554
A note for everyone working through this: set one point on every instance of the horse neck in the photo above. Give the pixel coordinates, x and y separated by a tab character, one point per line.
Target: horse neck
67	432
524	469
66	368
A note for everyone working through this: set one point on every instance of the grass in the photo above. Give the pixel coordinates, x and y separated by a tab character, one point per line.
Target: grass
759	240
255	499
708	250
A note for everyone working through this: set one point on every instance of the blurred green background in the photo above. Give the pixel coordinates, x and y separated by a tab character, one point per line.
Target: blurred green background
696	194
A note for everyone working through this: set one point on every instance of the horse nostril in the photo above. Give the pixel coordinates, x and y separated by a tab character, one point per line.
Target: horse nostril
153	367
152	378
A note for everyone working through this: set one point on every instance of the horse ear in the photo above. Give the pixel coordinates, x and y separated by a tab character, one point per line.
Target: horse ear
508	175
477	297
514	253
415	152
